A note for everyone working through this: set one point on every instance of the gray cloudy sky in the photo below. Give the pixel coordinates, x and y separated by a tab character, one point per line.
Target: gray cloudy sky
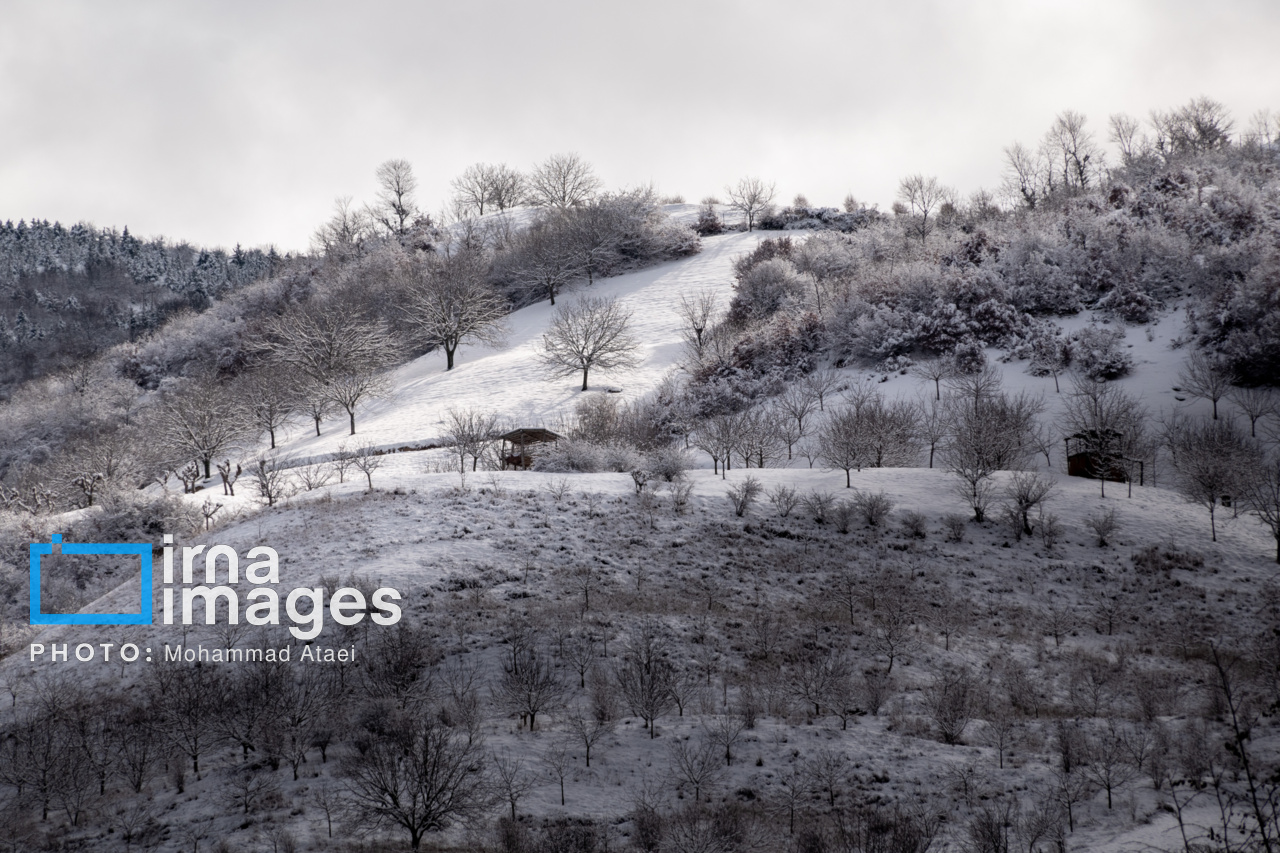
241	122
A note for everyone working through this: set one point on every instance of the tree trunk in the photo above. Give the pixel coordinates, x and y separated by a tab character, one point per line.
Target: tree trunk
584	378
207	475
351	413
317	424
448	357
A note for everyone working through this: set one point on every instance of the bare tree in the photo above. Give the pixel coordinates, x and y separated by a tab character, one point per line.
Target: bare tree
367	459
1207	378
593	332
1211	461
450	301
507	187
590	731
1026	491
270	400
545	259
1256	403
645	675
201	424
695	311
1203	124
1073	151
1026	175
923	196
340	349
934	370
512	779
1124	133
473	189
396	209
562	181
751	196
342	238
421	780
529	684
950	699
694	763
470	433
1262	495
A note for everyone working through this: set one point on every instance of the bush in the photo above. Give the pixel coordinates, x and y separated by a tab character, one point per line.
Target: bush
131	517
784	500
1129	304
874	508
843	515
743	495
708	222
1103	524
1099	353
1155	558
818	505
954	524
913	525
667	463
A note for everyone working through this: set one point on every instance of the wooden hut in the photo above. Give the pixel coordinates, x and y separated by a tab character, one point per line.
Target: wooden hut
1092	457
521	445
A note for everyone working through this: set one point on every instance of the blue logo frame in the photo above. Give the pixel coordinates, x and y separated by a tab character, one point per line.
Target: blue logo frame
142	550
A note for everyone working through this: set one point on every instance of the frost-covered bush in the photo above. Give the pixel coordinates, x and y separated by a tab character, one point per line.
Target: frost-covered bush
1099	353
132	517
1129	304
881	333
571	455
787	346
666	463
743	495
969	357
914	525
817	505
873	507
708	223
764	288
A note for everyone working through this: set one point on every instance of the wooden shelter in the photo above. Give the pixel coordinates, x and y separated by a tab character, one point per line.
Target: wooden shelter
1093	457
520	445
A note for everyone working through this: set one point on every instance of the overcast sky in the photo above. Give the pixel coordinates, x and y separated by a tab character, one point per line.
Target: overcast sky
226	122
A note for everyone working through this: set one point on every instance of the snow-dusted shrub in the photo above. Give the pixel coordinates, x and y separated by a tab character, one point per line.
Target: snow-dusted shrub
1099	353
675	240
784	500
133	517
997	323
1129	304
743	495
1163	559
666	463
913	525
764	288
873	508
1038	284
786	347
1051	531
708	222
843	514
969	357
1104	525
954	524
572	456
817	505
880	334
